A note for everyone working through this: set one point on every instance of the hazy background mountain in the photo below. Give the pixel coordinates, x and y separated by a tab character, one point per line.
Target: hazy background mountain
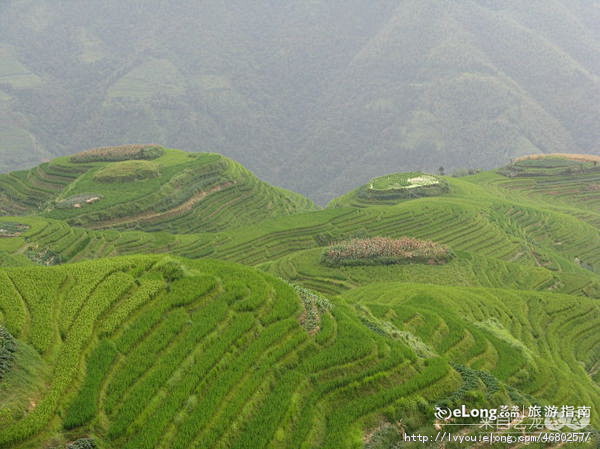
313	95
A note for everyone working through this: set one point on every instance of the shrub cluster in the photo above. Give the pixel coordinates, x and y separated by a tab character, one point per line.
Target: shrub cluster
385	251
8	347
473	380
10	229
83	443
171	269
314	307
127	171
460	172
43	256
574	157
119	153
386	435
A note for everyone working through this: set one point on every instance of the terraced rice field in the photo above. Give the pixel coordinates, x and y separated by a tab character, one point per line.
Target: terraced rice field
147	362
498	330
163	352
466	269
186	192
567	184
147	352
508	231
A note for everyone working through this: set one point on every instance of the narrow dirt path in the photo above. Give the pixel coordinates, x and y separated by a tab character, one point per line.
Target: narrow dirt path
151	216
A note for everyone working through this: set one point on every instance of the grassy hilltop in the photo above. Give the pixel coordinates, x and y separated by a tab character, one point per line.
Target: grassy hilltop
343	329
147	188
390	189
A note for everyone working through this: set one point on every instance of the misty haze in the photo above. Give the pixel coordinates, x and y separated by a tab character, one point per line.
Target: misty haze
316	96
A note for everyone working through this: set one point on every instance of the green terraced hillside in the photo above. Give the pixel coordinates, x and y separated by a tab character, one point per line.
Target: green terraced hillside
466	269
391	189
158	352
166	190
482	220
528	339
570	182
